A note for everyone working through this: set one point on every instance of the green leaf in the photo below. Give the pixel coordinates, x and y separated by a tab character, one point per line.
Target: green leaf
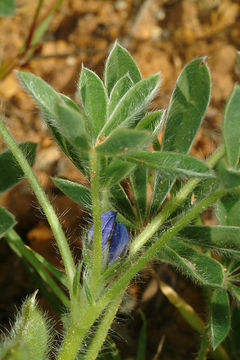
187	107
119	89
7	221
76	192
219	317
229	178
7	7
139	185
171	163
10	171
48	100
231	127
94	101
46	97
228	209
121	141
235	291
122	204
220	238
132	103
152	121
116	171
120	63
201	268
71	124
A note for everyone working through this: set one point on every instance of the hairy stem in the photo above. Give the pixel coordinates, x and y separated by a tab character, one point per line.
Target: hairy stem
44	203
96	211
136	266
103	328
171	206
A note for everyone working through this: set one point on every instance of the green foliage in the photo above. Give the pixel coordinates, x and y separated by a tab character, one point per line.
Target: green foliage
171	163
219	316
10	170
231	128
120	63
7	221
94	101
200	267
225	239
113	140
7	7
77	192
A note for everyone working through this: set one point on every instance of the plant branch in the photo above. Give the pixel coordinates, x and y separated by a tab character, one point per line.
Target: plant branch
96	211
44	203
171	206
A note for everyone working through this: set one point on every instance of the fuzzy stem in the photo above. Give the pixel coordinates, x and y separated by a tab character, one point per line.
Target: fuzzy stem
44	203
96	210
103	328
135	267
171	206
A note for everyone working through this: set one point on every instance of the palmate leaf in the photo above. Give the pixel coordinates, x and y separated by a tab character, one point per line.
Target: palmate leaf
10	171
7	221
171	163
186	110
94	101
219	316
231	127
132	103
201	268
225	239
118	64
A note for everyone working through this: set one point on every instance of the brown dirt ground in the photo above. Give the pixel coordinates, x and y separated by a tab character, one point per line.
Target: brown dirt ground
161	35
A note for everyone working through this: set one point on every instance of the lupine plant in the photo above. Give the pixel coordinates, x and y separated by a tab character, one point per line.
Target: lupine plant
140	199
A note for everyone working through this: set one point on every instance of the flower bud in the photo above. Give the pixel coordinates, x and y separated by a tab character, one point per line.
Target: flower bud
115	237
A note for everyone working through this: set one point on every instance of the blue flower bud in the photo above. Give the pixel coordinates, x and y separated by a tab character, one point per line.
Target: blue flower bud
119	242
115	237
107	223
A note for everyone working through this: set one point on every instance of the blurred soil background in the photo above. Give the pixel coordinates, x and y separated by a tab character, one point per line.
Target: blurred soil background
162	35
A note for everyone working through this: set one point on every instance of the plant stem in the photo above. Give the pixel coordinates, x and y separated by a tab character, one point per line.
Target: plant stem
44	203
136	266
18	246
103	328
171	206
96	210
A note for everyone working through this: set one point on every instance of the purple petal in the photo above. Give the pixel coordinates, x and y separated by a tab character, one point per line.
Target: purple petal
119	242
107	223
